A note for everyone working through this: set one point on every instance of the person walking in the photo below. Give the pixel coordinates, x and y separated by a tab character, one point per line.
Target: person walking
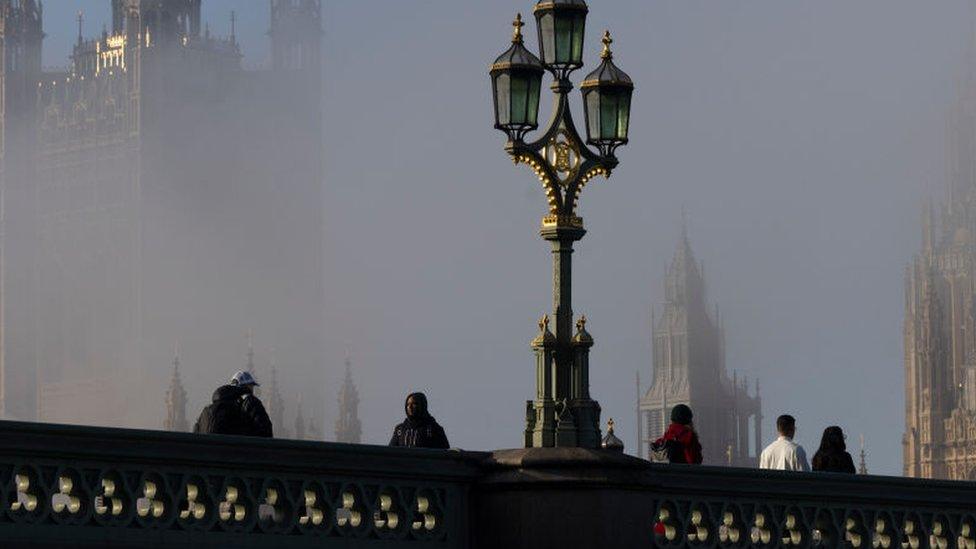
680	444
783	453
419	429
235	410
832	456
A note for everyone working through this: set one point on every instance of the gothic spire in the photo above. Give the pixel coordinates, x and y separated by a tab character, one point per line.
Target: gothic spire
81	20
638	444
683	276
299	420
348	427
928	227
313	430
249	363
961	137
176	400
276	404
862	468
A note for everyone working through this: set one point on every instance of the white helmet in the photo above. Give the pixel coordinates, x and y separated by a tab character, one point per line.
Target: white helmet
243	379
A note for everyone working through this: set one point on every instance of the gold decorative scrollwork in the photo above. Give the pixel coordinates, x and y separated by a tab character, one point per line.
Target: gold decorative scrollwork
232	509
66	499
425	519
386	517
313	515
563	156
349	514
149	505
108	501
193	507
965	539
24	497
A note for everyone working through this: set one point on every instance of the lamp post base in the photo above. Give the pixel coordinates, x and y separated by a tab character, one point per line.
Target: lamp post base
557	425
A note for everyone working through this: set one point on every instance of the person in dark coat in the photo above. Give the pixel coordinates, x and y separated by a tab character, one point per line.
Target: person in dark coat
832	456
235	410
680	442
420	429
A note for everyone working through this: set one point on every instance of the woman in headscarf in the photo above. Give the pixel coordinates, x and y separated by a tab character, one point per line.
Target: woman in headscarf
832	456
420	429
680	442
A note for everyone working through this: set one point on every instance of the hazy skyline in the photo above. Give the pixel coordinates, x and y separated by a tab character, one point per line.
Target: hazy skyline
801	139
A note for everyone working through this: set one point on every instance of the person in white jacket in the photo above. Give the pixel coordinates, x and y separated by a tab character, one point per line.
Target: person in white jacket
784	454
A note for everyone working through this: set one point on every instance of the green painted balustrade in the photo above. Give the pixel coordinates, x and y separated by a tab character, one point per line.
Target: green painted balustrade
69	486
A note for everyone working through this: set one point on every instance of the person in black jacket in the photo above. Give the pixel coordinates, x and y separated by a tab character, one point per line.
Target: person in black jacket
832	456
235	410
420	429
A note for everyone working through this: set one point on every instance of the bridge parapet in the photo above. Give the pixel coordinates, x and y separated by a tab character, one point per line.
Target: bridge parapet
127	488
73	486
607	500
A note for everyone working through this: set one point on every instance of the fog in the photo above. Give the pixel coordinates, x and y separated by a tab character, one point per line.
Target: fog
801	138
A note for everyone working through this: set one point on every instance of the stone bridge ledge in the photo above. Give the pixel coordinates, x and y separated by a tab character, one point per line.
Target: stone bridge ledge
99	487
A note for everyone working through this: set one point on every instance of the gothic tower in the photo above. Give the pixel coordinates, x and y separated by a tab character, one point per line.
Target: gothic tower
21	38
249	355
275	403
167	22
299	421
689	368
940	313
296	35
176	402
313	430
347	427
109	170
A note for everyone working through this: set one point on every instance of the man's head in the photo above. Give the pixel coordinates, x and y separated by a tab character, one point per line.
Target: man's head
786	425
245	381
416	405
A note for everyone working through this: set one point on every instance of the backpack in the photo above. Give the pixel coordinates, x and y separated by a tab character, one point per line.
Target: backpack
223	417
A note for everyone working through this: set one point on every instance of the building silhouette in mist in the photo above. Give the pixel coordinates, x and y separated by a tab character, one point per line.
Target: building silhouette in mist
940	314
348	427
154	191
275	404
689	368
176	402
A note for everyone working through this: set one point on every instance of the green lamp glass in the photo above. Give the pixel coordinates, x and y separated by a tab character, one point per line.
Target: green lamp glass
516	79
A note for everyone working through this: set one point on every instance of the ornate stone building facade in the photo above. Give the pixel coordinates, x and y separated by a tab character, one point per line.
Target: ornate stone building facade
689	368
154	191
940	318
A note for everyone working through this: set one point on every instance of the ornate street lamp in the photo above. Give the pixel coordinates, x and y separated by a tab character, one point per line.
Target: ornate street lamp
562	414
606	101
561	25
516	77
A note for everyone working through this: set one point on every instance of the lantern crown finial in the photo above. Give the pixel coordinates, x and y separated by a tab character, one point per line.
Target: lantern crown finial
517	30
607	40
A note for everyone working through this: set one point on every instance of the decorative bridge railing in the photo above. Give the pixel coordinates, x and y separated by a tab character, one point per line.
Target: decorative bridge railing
618	501
64	486
80	486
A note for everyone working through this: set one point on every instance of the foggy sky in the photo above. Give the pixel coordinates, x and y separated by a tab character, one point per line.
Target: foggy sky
800	137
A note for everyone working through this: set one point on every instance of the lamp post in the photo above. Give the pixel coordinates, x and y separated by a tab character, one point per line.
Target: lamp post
562	414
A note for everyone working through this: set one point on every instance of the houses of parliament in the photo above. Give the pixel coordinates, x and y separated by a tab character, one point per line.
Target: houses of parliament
689	368
940	314
155	191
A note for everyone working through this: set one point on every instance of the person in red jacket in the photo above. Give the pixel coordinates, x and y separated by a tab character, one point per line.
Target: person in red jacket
680	442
